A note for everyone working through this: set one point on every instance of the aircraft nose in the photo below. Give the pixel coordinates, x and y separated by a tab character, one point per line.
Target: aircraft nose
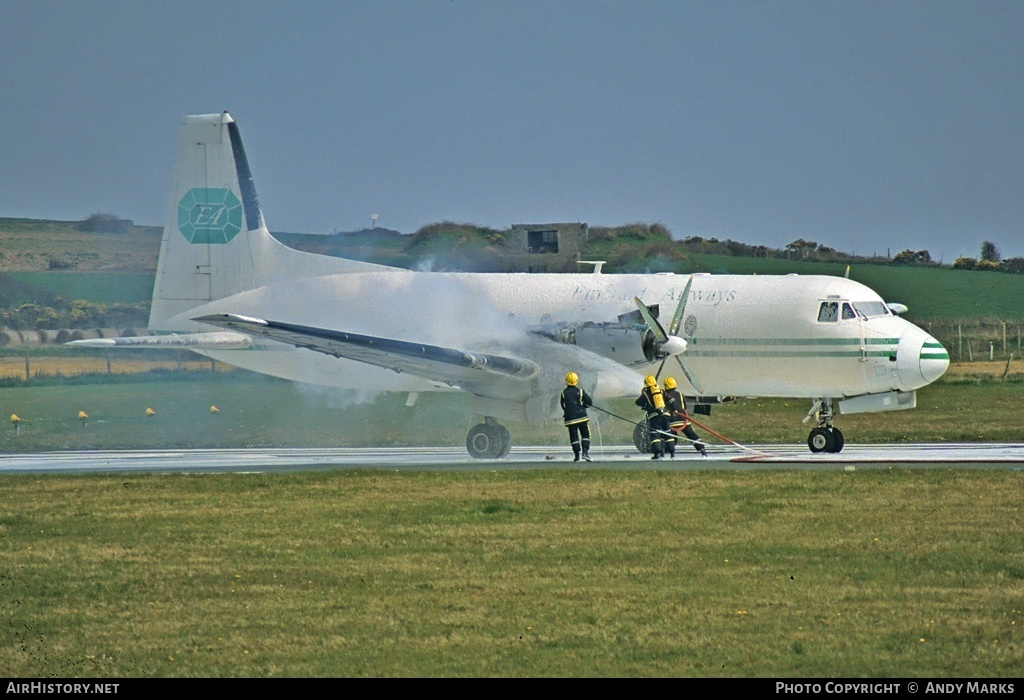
934	360
921	359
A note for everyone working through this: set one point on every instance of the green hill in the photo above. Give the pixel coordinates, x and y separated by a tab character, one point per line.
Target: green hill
28	245
931	293
41	260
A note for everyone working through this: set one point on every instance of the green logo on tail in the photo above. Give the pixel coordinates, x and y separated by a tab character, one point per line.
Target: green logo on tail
209	215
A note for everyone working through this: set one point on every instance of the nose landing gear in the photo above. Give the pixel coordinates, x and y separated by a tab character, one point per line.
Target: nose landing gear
825	437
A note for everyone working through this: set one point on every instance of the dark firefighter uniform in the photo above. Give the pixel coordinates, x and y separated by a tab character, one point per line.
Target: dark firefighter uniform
575	402
678	421
652	402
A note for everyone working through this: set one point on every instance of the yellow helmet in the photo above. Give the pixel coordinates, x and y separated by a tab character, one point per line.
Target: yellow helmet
649	380
571	379
670	383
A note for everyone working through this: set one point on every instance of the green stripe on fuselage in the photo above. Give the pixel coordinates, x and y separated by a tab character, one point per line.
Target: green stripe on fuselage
793	347
794	341
791	353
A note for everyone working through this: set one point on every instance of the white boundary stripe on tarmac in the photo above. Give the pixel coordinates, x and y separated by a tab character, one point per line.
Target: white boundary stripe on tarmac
903	453
994	455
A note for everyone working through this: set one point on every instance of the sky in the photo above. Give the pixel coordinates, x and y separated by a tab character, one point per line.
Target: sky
868	127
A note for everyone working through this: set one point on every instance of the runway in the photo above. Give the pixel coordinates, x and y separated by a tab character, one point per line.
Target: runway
262	460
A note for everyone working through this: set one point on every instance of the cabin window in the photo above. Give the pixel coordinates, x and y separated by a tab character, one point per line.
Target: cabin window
828	312
870	309
848	312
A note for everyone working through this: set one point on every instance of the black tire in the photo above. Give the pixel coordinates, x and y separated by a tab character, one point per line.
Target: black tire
506	442
642	437
821	440
483	442
838	439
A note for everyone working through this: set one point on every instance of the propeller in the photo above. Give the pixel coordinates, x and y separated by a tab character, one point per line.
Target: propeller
677	317
669	340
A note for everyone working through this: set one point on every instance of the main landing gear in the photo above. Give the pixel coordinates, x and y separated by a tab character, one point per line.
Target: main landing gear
642	437
488	440
825	437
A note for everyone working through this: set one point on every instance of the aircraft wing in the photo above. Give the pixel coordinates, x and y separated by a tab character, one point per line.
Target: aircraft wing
451	366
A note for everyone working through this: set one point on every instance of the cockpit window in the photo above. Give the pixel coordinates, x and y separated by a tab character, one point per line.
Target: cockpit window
832	311
828	312
870	309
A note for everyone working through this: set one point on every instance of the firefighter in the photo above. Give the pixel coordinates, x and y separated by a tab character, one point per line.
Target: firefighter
652	402
678	420
575	402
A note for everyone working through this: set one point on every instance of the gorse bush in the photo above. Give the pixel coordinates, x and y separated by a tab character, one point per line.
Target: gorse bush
78	314
105	223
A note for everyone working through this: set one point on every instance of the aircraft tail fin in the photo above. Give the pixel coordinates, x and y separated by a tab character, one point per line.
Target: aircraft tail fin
215	241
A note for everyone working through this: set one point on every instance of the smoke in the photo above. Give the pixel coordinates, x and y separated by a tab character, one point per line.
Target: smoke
610	379
465	311
337	398
451	310
425	264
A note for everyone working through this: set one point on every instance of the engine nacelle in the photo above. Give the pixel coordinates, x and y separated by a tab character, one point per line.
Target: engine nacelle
627	341
626	345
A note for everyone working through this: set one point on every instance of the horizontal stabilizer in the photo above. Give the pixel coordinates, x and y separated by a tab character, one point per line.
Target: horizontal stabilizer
217	340
452	366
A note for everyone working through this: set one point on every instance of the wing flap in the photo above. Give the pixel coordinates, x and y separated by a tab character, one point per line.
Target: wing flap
449	365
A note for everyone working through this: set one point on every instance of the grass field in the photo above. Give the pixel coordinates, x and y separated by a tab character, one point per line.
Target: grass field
97	287
567	573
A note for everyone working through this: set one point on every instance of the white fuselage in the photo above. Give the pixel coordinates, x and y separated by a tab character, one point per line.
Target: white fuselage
747	335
